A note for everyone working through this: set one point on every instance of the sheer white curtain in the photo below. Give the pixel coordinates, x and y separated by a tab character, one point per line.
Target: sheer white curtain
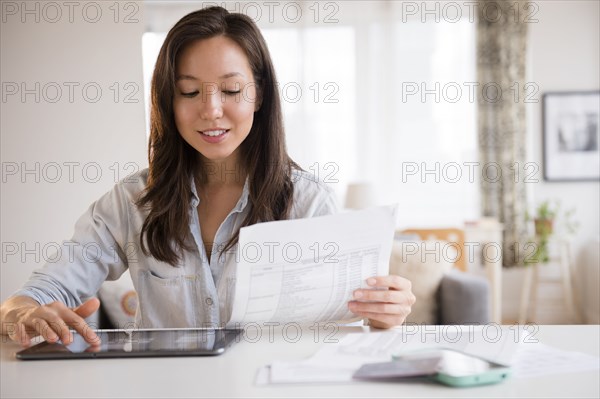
371	94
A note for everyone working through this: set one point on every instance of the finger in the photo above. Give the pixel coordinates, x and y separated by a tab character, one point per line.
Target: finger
61	328
14	333
391	281
43	328
386	319
90	336
19	334
25	337
78	324
388	296
87	308
93	349
376	308
379	324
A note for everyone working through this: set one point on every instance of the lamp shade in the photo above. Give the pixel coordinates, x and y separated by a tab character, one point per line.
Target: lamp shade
359	195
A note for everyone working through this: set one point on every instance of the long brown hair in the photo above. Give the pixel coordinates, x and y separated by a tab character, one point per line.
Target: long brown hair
173	162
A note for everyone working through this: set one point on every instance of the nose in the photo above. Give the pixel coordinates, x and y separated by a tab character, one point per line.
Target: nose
210	105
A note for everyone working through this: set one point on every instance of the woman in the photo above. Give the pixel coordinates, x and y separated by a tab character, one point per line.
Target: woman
217	162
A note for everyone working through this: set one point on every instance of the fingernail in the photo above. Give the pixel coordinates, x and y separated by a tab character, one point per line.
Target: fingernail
371	281
358	294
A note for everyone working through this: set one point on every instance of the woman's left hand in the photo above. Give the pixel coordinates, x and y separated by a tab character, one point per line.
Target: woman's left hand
386	307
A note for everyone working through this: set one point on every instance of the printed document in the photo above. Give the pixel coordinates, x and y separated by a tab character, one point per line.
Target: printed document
306	270
516	346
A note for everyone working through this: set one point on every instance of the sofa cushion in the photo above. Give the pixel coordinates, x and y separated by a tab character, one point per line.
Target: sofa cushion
424	263
119	301
464	299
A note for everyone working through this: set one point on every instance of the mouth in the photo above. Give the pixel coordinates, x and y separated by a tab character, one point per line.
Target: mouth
213	132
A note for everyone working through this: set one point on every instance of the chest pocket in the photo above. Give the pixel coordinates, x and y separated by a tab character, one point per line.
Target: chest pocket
167	302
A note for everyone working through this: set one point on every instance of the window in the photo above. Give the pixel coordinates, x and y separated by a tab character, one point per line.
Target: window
377	99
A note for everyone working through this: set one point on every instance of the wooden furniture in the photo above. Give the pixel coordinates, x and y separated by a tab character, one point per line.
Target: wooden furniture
454	237
479	247
484	241
533	281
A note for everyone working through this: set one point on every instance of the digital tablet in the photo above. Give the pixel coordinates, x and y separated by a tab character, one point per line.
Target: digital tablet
138	343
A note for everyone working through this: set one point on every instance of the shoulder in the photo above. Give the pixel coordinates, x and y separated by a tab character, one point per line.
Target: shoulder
312	197
127	190
113	210
134	183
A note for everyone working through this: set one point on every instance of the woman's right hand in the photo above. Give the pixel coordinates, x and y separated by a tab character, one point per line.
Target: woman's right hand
26	319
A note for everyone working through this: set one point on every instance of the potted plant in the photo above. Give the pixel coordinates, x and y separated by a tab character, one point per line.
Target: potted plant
543	222
544	219
545	216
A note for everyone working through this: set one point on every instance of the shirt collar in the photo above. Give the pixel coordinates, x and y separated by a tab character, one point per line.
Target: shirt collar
195	198
241	204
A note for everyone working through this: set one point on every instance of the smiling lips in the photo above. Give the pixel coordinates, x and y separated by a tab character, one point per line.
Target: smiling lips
214	136
214	132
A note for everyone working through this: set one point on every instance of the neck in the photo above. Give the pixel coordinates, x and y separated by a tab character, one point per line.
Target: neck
224	172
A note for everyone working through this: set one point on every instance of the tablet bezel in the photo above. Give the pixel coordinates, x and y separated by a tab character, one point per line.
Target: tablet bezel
47	351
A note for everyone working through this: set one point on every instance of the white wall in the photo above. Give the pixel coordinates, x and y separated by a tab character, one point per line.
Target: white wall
563	52
36	213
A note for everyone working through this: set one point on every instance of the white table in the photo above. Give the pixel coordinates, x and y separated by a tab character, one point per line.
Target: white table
233	374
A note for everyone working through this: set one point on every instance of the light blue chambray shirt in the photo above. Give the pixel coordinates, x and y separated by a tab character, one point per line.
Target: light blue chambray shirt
195	293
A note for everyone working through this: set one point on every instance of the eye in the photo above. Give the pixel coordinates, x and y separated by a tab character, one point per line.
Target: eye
190	94
231	92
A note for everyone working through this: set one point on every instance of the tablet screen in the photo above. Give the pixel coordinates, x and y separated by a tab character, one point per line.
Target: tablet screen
138	343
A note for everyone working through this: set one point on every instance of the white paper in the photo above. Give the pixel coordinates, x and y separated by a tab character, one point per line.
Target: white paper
335	363
305	270
338	362
535	360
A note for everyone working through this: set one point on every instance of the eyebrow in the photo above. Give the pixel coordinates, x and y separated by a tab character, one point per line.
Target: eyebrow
227	75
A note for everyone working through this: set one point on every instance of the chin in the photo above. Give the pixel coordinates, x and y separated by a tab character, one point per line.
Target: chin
211	156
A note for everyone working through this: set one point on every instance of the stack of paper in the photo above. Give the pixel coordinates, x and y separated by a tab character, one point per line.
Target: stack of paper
337	362
512	346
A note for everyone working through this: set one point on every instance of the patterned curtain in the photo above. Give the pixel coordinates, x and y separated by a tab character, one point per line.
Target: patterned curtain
501	56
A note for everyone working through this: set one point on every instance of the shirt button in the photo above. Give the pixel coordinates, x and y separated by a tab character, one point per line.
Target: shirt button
209	301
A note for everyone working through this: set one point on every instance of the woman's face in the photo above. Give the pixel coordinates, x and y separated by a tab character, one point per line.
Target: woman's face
215	98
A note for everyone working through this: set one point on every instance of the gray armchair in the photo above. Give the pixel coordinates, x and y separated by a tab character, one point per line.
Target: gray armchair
463	299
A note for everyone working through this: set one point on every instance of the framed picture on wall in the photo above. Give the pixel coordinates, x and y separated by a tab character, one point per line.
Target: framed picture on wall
571	136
